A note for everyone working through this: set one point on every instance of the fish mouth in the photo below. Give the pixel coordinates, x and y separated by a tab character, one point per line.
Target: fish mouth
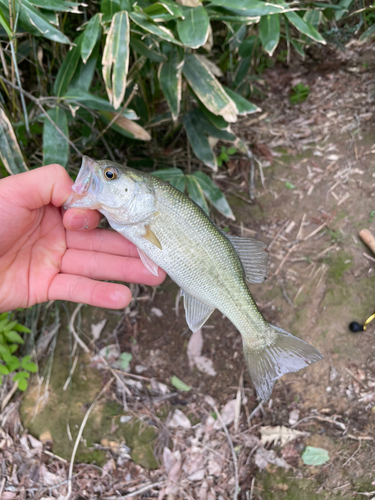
86	187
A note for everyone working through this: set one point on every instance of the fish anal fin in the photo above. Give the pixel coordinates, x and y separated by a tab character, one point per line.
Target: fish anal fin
151	237
148	263
197	312
254	257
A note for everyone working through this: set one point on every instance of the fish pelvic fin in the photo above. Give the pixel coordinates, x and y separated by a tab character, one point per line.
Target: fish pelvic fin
286	354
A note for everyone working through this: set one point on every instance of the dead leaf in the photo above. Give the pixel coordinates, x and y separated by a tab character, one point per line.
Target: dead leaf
205	365
194	464
227	414
194	350
179	419
280	433
159	387
158	313
172	463
97	329
264	457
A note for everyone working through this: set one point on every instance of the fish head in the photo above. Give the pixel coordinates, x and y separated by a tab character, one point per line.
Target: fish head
122	194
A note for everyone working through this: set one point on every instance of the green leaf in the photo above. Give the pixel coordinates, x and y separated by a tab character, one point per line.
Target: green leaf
3	316
3	370
193	30
4	349
174	176
170	83
345	5
12	362
55	146
243	106
196	193
313	17
304	28
91	35
151	27
269	33
246	47
116	58
298	47
209	128
5	24
91	101
68	68
198	140
36	23
126	127
21	377
9	326
214	194
21	328
84	74
28	365
250	8
125	359
315	456
110	7
142	49
207	88
13	336
369	32
217	121
179	384
13	348
289	185
231	151
57	5
164	10
10	152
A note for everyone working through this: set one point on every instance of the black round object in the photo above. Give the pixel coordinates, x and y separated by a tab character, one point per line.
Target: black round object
355	327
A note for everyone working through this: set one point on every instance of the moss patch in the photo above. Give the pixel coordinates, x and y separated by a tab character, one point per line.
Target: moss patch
63	412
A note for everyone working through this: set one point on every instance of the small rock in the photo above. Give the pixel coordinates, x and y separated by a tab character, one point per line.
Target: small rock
294	417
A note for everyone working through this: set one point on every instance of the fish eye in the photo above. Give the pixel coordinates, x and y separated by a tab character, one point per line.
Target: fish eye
110	173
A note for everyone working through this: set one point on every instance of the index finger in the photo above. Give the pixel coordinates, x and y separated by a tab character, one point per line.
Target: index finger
101	240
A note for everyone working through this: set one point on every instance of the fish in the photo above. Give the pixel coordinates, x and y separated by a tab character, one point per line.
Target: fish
211	267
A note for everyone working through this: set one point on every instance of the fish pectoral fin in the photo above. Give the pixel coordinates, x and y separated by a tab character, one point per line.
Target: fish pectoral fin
148	263
254	257
151	237
197	312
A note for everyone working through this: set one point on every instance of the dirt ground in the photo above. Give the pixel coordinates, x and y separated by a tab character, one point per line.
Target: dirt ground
314	192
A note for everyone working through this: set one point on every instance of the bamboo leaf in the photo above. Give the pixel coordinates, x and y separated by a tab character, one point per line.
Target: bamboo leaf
126	127
269	32
89	100
196	193
163	11
208	89
36	23
209	128
250	8
142	49
67	69
5	24
193	30
10	152
198	140
304	28
55	146
84	73
174	176
214	194
110	7
151	27
170	83
91	35
58	5
116	58
243	106
369	32
179	384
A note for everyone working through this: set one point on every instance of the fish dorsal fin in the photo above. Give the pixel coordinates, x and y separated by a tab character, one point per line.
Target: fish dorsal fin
254	257
197	313
148	263
151	237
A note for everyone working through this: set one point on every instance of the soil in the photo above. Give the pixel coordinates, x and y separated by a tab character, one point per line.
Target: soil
314	187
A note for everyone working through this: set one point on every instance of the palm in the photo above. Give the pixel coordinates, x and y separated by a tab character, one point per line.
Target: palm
41	260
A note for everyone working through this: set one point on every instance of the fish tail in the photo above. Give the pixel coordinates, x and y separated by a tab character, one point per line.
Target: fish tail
285	354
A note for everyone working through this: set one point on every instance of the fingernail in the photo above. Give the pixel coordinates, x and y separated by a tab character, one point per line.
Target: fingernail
78	221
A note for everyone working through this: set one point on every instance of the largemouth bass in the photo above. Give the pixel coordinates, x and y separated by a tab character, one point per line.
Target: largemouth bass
173	233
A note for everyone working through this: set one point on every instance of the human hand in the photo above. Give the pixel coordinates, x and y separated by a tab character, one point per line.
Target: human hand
47	256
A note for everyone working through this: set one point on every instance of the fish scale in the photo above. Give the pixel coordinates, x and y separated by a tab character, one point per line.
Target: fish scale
174	233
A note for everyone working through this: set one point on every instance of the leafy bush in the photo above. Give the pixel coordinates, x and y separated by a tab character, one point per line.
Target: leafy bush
135	68
10	340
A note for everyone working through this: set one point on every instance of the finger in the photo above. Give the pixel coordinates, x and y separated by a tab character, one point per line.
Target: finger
101	240
83	290
77	219
38	187
102	266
